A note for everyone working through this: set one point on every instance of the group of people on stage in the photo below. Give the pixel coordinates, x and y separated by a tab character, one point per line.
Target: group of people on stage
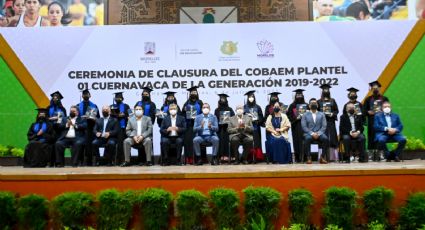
194	127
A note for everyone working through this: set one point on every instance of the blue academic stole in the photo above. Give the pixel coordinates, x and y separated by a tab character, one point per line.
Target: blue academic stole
37	128
81	107
54	109
122	120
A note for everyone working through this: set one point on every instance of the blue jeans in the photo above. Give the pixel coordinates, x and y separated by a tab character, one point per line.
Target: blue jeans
200	139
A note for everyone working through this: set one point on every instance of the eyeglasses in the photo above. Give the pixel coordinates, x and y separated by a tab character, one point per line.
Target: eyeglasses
327	5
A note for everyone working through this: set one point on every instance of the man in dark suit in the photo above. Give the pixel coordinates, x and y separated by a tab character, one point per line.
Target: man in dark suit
314	124
106	131
72	134
351	131
172	130
388	127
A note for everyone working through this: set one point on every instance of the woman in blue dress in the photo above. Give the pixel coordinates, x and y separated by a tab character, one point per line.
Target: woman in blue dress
278	125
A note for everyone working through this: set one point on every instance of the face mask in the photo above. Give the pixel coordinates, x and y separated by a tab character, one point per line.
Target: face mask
72	115
105	113
239	112
41	118
118	100
376	92
205	110
351	111
273	100
313	106
170	101
86	98
353	97
326	94
276	109
251	99
139	113
193	97
299	98
387	110
145	98
173	112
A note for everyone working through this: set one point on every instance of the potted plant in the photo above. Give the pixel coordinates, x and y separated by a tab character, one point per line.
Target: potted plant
11	156
414	149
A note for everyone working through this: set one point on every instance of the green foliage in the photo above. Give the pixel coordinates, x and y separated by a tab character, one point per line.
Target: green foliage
155	208
412	143
296	227
115	209
257	224
262	200
412	215
71	208
17	152
7	210
422	228
377	204
6	151
192	207
333	227
300	202
32	212
340	204
225	203
376	225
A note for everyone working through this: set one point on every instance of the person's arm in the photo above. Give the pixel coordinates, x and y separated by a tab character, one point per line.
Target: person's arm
304	125
335	110
231	129
260	116
323	128
97	126
398	124
249	128
378	125
285	125
214	124
268	124
30	134
182	127
152	112
115	128
128	129
49	135
163	128
343	128
80	124
197	125
148	130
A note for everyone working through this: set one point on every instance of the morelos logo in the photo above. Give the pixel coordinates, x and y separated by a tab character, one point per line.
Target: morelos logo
266	49
149	48
229	47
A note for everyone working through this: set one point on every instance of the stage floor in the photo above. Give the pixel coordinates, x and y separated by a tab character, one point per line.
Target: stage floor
262	170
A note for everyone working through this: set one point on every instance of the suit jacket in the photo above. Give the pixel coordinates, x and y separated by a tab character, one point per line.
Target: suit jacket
80	128
309	126
380	123
166	123
345	124
233	128
112	127
284	123
131	129
198	129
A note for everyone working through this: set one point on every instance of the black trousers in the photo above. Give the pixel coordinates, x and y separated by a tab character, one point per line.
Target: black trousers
246	142
76	144
165	146
352	144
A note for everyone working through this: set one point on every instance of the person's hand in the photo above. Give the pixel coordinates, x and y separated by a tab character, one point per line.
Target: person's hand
209	124
315	136
141	138
69	123
299	117
202	123
275	133
98	134
170	129
53	118
371	112
121	115
136	139
278	130
392	131
354	134
242	125
106	135
40	132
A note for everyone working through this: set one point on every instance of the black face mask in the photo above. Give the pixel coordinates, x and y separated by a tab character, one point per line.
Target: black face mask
376	92
192	97
55	102
351	111
72	115
169	101
41	118
276	109
145	98
299	99
118	100
273	100
220	102
353	97
86	98
313	106
326	94
105	114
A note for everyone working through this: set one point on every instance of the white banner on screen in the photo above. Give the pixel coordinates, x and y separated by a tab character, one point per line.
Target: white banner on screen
229	58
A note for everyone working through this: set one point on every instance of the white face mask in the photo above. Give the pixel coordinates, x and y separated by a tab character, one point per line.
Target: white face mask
173	112
138	113
251	99
387	110
206	110
239	112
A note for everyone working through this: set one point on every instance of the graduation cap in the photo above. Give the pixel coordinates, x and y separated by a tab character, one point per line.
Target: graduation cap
42	110
352	90
274	93
223	95
249	92
299	91
58	94
194	88
147	89
169	93
325	86
85	91
373	83
119	94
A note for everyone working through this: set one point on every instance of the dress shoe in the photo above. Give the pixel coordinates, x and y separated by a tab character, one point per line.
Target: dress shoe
199	162
125	164
236	163
59	166
244	162
323	161
397	159
388	160
149	163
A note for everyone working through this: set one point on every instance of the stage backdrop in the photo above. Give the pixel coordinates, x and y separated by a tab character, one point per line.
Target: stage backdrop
219	58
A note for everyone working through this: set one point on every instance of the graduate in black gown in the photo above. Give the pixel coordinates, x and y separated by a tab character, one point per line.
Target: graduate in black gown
328	106
191	108
40	136
223	112
120	111
295	112
373	105
252	109
84	108
358	106
56	113
147	104
170	99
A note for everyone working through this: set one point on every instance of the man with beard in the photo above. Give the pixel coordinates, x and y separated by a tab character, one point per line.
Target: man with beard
191	108
40	137
90	112
121	115
147	104
252	109
164	111
328	106
372	106
295	112
56	113
223	112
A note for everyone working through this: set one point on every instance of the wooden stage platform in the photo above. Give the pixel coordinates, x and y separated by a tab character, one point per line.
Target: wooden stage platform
404	178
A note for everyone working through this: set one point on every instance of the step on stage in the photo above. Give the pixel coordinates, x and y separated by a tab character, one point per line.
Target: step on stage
403	177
